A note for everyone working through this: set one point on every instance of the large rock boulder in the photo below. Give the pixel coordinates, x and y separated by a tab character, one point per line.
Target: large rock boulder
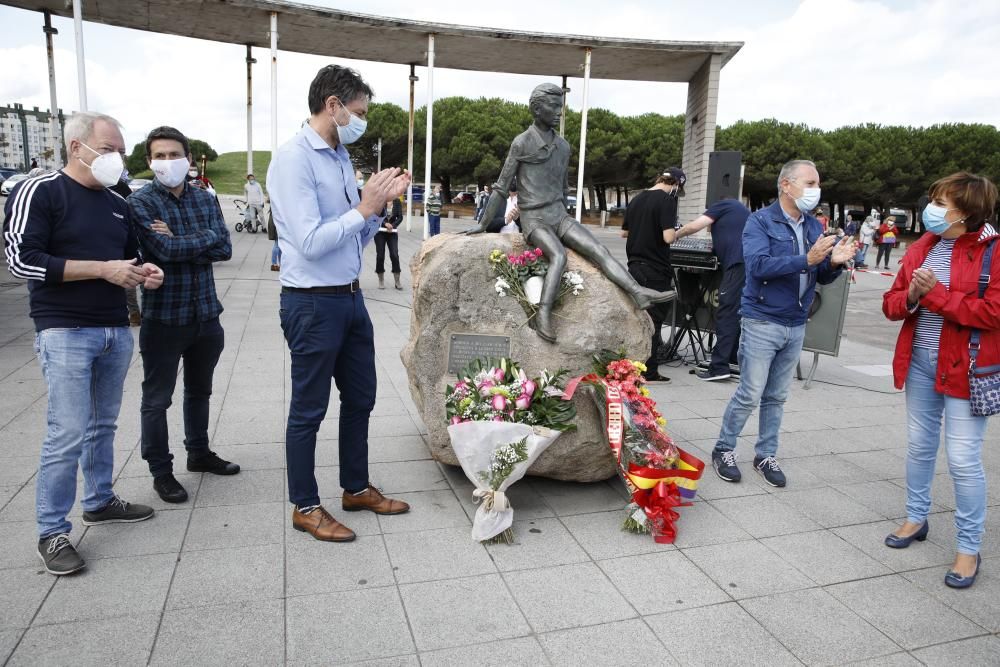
453	293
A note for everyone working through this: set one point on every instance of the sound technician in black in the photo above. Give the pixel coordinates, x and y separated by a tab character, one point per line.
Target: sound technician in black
726	218
649	225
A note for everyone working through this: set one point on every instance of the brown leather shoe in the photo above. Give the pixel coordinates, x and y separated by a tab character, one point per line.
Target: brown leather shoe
372	499
321	525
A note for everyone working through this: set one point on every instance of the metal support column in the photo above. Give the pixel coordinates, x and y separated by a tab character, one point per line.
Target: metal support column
57	147
409	154
81	65
274	83
583	136
562	118
378	165
250	63
430	132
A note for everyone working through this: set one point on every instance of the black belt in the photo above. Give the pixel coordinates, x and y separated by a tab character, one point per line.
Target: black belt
330	289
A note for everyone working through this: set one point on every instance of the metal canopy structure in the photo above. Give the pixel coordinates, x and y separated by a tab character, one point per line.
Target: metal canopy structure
328	32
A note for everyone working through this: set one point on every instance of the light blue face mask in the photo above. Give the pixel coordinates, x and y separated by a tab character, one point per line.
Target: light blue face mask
934	221
351	132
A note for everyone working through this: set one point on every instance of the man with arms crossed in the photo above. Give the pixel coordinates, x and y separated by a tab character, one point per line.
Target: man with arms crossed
182	227
71	238
323	225
786	254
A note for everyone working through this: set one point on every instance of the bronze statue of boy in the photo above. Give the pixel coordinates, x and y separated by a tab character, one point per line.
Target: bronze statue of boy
539	161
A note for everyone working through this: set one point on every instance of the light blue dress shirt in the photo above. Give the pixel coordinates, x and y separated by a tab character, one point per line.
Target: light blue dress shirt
798	227
313	198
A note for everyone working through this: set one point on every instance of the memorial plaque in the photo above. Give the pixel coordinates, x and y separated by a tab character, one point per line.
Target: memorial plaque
464	347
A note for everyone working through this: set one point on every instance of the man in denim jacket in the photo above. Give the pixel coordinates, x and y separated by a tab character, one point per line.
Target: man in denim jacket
786	255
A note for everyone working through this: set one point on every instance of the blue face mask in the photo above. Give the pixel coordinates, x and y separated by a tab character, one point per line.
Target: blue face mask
934	221
351	132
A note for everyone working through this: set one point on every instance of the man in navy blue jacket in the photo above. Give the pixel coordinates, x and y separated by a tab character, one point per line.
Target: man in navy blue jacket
785	254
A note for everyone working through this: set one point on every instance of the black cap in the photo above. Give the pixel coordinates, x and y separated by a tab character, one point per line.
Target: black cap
678	175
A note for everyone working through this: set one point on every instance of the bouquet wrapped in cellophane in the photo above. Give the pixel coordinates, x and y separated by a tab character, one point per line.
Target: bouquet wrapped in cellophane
659	475
500	421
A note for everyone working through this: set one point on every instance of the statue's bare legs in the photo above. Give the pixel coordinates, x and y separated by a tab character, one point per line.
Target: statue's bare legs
578	238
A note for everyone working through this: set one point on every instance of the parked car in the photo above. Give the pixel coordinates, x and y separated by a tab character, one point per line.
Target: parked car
464	198
6	172
9	184
418	193
137	184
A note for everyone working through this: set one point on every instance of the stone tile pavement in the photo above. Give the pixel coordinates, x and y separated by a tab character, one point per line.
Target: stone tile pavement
757	575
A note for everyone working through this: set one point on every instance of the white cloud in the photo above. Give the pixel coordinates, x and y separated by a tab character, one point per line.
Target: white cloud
822	62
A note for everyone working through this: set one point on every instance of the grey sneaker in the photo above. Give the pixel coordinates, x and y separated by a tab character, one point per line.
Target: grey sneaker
118	511
59	556
769	470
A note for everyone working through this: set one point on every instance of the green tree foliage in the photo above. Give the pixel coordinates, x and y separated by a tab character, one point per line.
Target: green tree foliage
870	165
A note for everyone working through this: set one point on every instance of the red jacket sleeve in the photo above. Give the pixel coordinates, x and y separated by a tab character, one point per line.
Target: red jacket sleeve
894	301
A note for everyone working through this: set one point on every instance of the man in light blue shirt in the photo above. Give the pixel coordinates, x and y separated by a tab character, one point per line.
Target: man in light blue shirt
323	224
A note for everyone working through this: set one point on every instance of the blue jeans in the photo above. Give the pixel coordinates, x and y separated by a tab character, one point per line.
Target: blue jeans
276	253
162	346
768	354
330	336
963	437
434	222
84	369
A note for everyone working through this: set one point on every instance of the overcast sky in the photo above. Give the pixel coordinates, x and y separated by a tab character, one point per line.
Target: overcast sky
826	63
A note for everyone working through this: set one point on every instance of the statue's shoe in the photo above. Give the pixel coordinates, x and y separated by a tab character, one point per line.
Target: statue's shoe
542	324
645	297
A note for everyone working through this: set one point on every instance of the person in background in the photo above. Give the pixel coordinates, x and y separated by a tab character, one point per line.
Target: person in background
272	235
71	238
433	205
650	219
387	236
866	236
182	226
887	238
255	201
481	199
823	218
939	295
726	218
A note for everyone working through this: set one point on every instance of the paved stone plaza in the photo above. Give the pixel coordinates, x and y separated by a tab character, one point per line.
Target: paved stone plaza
757	576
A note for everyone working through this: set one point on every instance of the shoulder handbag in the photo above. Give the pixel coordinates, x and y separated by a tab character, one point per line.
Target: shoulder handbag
984	383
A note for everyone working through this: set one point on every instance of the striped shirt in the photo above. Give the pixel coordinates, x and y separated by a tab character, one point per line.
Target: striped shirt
938	260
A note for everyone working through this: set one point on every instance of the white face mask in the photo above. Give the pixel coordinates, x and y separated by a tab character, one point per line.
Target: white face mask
170	173
809	199
106	167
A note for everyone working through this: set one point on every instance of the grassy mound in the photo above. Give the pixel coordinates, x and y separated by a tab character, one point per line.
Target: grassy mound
229	172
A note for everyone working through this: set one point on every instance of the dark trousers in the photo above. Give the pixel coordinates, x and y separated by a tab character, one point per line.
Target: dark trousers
162	347
727	320
434	222
886	249
660	280
330	336
383	239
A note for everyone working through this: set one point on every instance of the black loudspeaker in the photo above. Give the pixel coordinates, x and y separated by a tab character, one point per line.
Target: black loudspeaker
698	295
723	176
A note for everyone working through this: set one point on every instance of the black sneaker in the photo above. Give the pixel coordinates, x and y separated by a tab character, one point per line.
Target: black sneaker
769	470
654	376
710	376
169	489
211	462
59	556
725	466
118	511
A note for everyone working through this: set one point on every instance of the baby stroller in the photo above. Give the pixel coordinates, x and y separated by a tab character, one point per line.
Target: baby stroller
253	220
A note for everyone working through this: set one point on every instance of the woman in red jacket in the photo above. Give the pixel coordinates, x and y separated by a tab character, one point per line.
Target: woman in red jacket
888	237
936	295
